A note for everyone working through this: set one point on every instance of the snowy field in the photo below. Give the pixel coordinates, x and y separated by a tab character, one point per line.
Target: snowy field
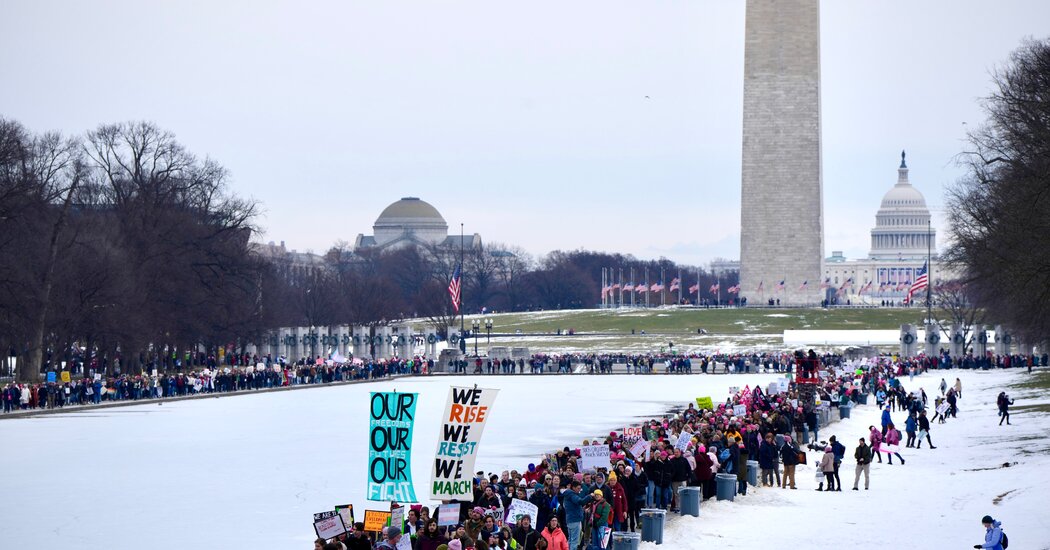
250	470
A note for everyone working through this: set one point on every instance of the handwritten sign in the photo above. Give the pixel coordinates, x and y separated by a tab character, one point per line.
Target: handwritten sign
594	457
639	448
397	517
683	441
375	520
51	377
739	410
391	416
448	514
733	390
65	376
462	424
519	508
705	403
782	385
346	512
328	525
632	432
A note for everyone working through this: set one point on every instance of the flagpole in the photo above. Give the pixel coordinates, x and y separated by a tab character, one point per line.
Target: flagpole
647	287
929	270
620	303
462	309
680	281
662	293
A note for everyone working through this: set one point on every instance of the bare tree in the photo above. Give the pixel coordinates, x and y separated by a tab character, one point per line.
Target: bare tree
954	302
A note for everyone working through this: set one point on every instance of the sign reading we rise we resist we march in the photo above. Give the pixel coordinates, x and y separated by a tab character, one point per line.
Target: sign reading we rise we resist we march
466	413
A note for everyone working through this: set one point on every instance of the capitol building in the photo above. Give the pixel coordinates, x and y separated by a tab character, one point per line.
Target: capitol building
900	242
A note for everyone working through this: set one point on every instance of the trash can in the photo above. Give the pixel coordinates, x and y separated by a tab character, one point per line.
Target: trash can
689	501
752	473
863	399
805	435
653	524
624	540
844	412
725	486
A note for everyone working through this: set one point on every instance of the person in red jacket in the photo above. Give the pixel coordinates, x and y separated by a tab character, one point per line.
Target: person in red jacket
618	499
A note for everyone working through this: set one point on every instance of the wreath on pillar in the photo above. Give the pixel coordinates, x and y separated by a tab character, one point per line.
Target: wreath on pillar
908	338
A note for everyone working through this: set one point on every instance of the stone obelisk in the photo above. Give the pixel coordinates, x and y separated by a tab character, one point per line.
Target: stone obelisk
782	222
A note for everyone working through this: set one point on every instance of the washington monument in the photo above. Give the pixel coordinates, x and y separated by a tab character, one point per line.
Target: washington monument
782	222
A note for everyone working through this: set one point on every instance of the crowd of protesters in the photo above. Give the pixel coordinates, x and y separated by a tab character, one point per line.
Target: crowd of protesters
265	373
576	506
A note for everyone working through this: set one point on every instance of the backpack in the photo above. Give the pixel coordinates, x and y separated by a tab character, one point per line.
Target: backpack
724	455
1004	540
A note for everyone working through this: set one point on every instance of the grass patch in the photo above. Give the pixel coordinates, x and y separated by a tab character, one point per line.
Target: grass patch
1041	408
1039	380
715	321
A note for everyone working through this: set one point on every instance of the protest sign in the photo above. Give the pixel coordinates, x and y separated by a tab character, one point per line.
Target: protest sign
65	376
632	432
448	514
397	517
594	457
739	410
98	377
391	416
346	512
375	520
328	525
462	424
640	447
50	377
519	508
942	409
705	403
404	543
683	441
733	390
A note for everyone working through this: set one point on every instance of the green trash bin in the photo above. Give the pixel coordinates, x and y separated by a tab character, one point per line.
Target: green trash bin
653	524
844	412
625	540
689	501
863	399
752	473
725	486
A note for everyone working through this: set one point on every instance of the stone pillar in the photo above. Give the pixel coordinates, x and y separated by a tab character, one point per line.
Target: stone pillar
980	341
957	349
909	341
933	340
1003	340
382	342
361	342
345	335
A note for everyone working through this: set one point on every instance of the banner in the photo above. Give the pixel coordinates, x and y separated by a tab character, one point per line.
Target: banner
346	512
705	403
462	424
448	514
328	525
391	417
593	457
375	520
519	508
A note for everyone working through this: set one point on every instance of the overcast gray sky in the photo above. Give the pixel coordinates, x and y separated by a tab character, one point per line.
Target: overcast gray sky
528	121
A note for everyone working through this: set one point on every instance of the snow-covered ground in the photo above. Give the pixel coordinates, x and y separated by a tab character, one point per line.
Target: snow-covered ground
250	470
936	500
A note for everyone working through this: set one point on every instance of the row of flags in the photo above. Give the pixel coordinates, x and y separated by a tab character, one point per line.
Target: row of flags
658	287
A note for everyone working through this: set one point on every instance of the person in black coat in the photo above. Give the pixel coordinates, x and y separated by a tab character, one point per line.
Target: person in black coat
789	456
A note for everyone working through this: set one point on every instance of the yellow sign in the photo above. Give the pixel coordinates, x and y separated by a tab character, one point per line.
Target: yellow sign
65	376
375	520
705	403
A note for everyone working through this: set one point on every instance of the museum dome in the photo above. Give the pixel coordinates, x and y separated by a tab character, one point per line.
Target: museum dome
410	209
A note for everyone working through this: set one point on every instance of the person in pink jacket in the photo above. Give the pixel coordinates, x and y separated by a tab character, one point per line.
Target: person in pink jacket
876	442
893	437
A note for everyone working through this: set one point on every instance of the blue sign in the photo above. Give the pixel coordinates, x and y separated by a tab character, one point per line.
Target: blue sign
51	377
391	417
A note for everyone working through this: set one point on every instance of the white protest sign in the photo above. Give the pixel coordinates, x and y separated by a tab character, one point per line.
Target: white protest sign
739	410
640	447
397	517
782	385
683	441
328	525
519	508
594	457
448	514
462	424
632	432
733	390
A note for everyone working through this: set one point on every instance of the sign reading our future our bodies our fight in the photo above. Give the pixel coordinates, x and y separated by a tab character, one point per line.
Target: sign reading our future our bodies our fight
466	413
391	416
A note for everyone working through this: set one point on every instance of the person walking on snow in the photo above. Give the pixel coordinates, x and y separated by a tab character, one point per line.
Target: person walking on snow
886	420
924	430
1004	403
993	534
876	442
944	386
863	456
893	437
827	467
958	388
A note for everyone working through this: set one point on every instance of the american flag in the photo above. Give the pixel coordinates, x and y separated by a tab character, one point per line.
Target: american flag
903	285
615	287
657	287
642	287
760	286
674	284
694	289
733	289
453	288
865	288
714	288
780	285
922	280
826	283
804	285
628	287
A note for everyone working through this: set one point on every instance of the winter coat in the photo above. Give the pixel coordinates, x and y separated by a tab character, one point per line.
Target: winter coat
862	454
423	542
767	456
893	437
741	465
876	440
619	502
838	450
789	455
679	468
910	424
602	515
555	539
886	420
704	470
993	536
526	539
574	504
924	424
827	462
